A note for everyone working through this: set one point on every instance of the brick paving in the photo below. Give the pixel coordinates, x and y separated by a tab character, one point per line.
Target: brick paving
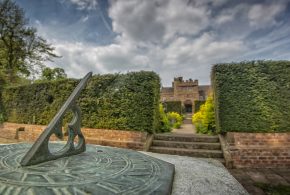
249	176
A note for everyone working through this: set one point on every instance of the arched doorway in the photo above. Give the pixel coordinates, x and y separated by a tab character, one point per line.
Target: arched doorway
188	106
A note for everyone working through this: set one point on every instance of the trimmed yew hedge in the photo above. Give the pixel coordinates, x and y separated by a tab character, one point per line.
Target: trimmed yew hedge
1	107
252	96
173	106
113	101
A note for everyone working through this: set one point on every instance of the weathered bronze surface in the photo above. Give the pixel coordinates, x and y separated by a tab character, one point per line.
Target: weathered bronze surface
40	152
99	170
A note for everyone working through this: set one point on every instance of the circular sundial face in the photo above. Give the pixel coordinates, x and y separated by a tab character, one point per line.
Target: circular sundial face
99	170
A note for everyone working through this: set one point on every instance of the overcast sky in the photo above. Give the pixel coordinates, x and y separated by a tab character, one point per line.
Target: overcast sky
170	37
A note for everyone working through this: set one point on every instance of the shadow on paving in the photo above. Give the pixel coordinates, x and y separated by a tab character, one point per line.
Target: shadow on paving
254	180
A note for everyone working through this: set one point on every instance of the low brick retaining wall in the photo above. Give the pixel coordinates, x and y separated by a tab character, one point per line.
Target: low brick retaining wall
116	138
259	150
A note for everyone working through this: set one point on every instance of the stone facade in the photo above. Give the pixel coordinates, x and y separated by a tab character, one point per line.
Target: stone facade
259	150
185	91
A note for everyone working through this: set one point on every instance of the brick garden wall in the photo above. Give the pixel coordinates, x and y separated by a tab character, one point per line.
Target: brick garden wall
116	138
259	150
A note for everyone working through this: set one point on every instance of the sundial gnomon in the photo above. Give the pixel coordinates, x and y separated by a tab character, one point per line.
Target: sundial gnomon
98	170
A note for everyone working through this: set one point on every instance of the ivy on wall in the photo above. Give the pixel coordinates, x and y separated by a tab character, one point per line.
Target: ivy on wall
112	101
252	96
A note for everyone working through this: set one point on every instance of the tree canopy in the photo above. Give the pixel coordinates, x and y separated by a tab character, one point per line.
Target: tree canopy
53	74
22	51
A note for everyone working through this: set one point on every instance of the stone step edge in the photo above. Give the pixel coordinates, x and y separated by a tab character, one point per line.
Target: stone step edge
188	139
188	143
186	135
186	150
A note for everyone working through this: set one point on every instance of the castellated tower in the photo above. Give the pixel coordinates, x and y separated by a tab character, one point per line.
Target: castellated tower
187	92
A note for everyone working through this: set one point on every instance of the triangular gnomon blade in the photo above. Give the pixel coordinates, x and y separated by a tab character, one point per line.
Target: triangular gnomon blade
39	152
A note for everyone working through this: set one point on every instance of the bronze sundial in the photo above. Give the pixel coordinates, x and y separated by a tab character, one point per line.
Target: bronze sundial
79	168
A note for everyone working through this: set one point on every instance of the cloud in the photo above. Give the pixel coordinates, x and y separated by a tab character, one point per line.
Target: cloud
181	18
263	15
85	4
137	20
201	51
170	37
154	21
79	58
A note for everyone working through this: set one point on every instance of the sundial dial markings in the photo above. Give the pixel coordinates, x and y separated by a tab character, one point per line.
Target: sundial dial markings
2	187
31	191
60	191
56	191
128	181
17	191
72	176
4	160
109	187
4	172
97	159
49	179
64	162
121	185
7	190
24	176
79	191
114	167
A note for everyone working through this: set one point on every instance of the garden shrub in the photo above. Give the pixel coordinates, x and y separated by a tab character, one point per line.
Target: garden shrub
173	106
112	101
204	119
175	119
197	105
164	122
252	96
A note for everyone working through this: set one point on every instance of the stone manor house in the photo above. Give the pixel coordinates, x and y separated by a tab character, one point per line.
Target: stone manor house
185	91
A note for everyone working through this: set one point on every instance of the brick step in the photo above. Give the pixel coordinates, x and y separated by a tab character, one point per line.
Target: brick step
187	138
116	143
188	152
187	145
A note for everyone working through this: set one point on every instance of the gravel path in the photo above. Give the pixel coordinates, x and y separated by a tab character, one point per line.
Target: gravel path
199	176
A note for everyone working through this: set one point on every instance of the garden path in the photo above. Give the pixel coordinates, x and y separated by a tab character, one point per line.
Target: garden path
187	127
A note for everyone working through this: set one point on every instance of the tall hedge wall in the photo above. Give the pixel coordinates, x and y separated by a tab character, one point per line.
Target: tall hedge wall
1	107
252	96
173	106
113	101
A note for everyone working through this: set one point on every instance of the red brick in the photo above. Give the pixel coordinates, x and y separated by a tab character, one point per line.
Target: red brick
260	149
32	132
